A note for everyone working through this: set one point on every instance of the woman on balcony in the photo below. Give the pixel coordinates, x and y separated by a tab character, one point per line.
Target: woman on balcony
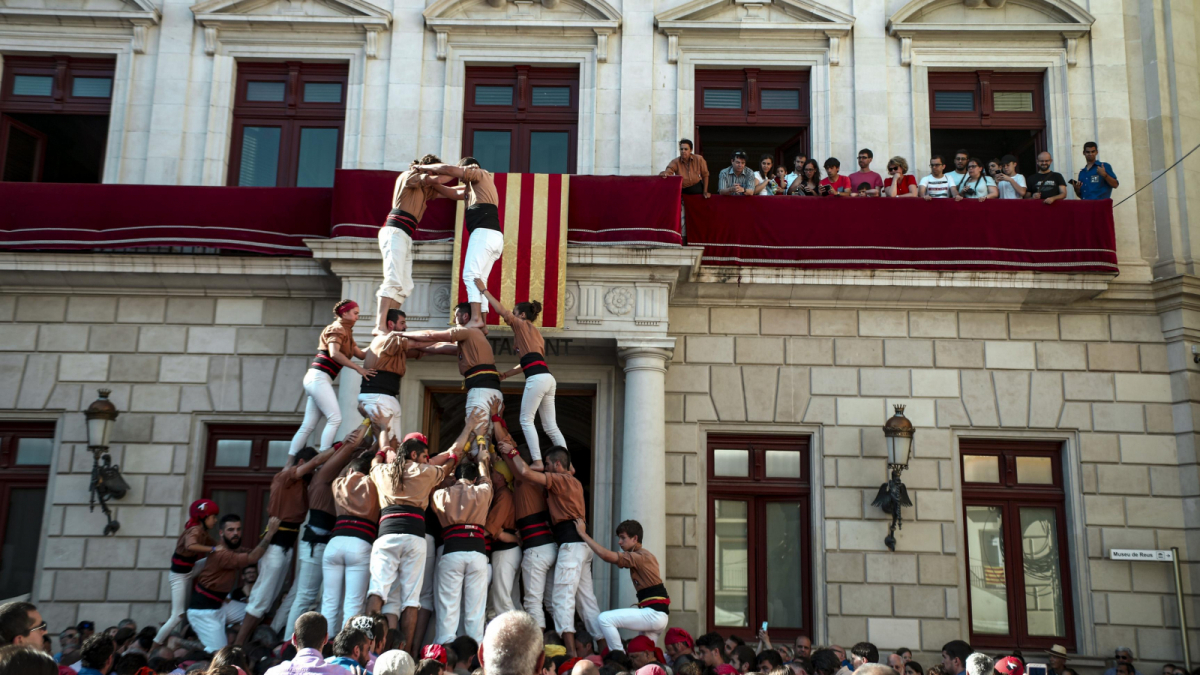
809	182
976	185
901	184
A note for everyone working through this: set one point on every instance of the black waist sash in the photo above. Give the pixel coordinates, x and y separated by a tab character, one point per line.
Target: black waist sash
494	545
401	519
287	535
403	220
696	188
353	526
482	216
464	537
565	532
204	598
654	597
325	364
382	382
483	376
323	520
535	530
182	564
533	363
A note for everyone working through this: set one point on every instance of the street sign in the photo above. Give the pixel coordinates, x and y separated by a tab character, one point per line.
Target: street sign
1148	556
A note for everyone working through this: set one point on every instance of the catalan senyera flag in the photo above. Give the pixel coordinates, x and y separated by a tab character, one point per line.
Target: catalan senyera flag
533	217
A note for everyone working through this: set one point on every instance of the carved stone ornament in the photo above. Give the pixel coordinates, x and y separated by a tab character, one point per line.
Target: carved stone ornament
569	301
441	299
619	301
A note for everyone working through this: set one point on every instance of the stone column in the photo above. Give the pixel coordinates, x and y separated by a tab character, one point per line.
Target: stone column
643	457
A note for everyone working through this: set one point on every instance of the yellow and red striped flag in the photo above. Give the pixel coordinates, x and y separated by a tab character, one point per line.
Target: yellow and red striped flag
533	218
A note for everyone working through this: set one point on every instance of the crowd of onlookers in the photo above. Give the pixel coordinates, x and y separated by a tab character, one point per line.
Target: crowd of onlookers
969	178
513	645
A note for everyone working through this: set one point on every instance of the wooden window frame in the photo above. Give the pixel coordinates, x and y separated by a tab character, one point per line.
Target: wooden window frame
1010	495
292	114
20	476
64	69
521	117
759	491
752	81
6	125
254	478
983	84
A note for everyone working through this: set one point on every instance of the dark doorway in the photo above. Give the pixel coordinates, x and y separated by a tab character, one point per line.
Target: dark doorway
445	408
717	144
66	148
989	144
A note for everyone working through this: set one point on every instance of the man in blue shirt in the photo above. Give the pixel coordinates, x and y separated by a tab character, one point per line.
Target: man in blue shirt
98	655
1097	179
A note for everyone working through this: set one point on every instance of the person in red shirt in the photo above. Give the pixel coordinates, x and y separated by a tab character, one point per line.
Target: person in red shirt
834	185
900	184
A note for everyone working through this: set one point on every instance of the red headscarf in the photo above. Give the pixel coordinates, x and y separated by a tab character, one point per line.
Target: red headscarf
417	435
341	311
567	666
676	635
199	510
642	643
435	652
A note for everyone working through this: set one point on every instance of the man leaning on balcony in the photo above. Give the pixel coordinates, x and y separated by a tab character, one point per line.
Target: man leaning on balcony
691	167
737	179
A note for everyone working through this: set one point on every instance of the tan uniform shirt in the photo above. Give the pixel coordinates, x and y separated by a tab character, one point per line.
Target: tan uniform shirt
463	502
473	348
222	570
355	495
340	334
693	170
195	535
410	195
502	515
388	352
481	189
528	498
642	566
289	499
419	481
527	337
564	497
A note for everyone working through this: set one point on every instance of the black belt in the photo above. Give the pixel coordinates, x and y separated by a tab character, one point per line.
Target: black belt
483	376
535	530
654	597
205	598
533	363
382	382
183	564
403	220
359	528
497	545
566	533
401	519
482	216
323	520
287	535
464	537
325	364
696	188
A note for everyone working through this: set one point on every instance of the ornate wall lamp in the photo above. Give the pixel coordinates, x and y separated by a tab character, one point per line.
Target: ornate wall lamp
898	431
107	482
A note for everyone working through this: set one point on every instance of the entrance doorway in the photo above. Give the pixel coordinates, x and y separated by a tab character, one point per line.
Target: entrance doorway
988	114
1024	144
445	411
717	145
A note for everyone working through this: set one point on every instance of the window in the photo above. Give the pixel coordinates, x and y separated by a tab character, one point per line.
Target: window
1016	534
26	449
992	114
758	535
239	463
288	124
54	118
522	119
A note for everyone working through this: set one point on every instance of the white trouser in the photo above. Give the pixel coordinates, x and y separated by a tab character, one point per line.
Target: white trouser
430	579
539	398
573	588
307	584
461	585
397	250
385	410
322	401
483	250
181	590
482	398
272	571
209	625
506	565
648	622
398	559
235	611
347	571
536	564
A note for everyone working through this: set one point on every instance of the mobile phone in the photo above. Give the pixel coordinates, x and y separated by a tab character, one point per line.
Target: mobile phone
764	627
1035	668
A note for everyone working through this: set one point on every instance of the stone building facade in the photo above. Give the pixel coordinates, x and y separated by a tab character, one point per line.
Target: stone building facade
673	355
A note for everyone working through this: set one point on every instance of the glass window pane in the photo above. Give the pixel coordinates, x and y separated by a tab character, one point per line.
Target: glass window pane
1035	470
318	157
981	469
731	463
1013	101
322	92
1044	611
723	98
783	464
785	606
260	157
548	152
985	566
229	501
492	149
34	451
954	101
731	595
32	85
781	99
233	453
490	95
552	96
91	87
18	555
277	452
265	91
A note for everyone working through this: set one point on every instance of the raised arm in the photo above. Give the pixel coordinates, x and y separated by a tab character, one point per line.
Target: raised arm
315	463
605	554
442	170
504	311
261	549
457	192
